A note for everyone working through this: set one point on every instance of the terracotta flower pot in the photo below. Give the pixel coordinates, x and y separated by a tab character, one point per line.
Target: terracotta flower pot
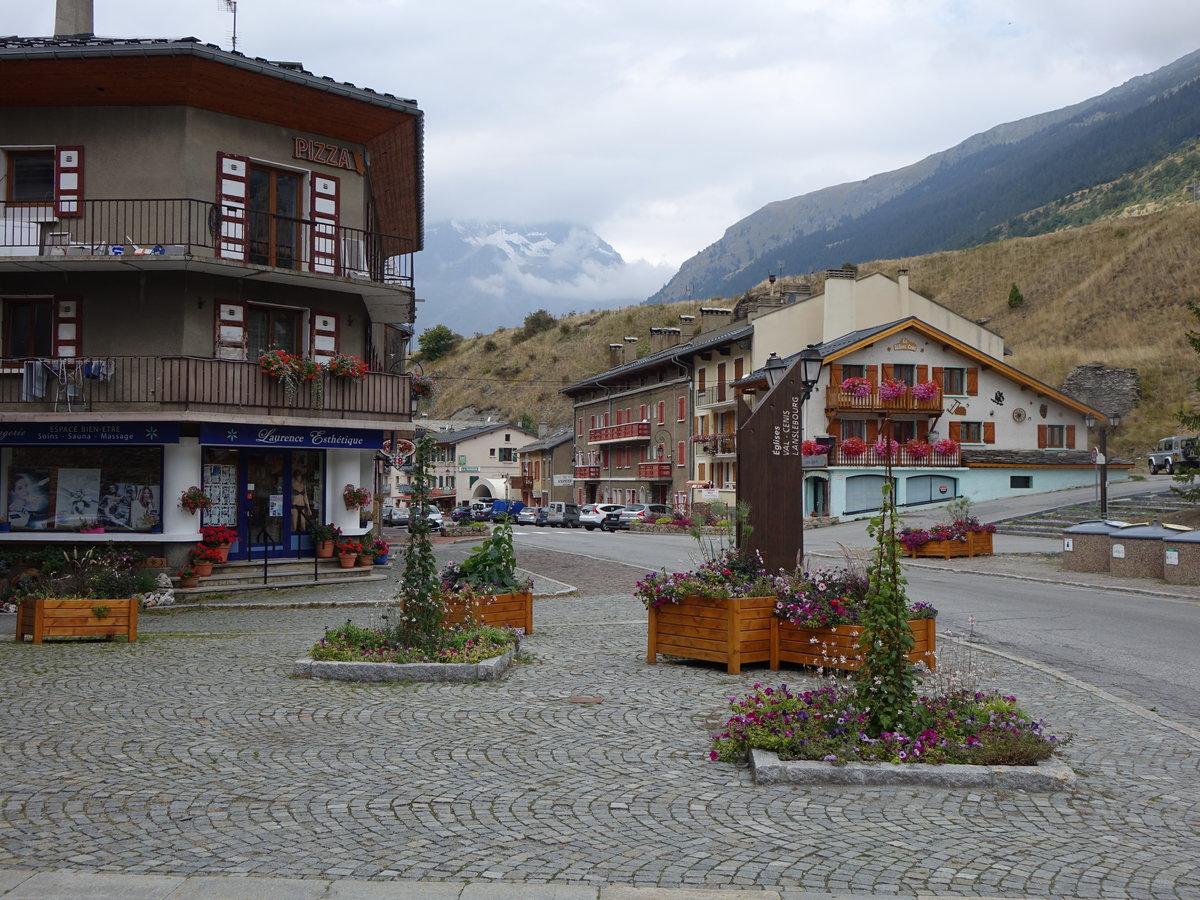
203	568
192	582
324	550
223	550
348	560
364	561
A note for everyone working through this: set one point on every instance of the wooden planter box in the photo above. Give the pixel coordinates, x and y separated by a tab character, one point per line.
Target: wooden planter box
732	631
978	543
501	610
825	646
73	617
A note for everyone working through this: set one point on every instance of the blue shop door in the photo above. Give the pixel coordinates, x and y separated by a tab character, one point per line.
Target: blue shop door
266	515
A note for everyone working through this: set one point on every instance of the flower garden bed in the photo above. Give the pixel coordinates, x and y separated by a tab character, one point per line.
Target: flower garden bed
487	670
837	647
976	543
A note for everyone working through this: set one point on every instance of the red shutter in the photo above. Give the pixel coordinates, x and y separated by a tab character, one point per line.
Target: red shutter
230	339
680	453
922	430
989	432
956	431
972	382
233	179
68	181
1041	436
662	412
324	336
872	431
68	336
323	211
682	413
1070	437
835	428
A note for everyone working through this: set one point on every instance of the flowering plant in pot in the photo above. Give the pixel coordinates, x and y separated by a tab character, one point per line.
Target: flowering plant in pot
916	449
323	537
188	576
216	535
422	387
812	448
892	389
945	446
728	574
856	386
926	390
382	548
885	447
348	547
194	499
356	497
347	365
854	447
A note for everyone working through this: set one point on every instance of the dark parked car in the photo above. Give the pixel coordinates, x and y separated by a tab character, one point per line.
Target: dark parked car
462	515
395	516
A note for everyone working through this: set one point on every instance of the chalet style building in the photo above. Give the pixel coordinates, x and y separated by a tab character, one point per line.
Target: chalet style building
910	384
205	270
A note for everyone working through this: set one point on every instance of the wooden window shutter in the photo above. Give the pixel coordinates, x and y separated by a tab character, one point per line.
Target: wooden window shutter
922	374
989	432
922	430
230	340
324	337
228	223
835	375
324	200
939	378
872	374
887	370
67	335
956	431
739	368
701	470
1070	437
68	181
872	431
972	381
680	453
834	428
1041	437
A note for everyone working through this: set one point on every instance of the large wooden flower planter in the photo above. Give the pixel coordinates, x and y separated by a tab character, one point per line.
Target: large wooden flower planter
75	617
978	543
837	647
501	610
732	631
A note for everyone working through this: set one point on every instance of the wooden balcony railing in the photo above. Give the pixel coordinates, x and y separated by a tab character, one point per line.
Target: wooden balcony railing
616	434
179	227
654	471
723	444
587	473
840	401
191	384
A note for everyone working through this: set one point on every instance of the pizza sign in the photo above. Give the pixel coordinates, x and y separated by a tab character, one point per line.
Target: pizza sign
400	451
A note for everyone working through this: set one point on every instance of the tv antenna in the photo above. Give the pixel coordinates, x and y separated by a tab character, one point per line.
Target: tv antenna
231	5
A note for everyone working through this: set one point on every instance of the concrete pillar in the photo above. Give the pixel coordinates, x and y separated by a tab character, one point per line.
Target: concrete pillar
181	470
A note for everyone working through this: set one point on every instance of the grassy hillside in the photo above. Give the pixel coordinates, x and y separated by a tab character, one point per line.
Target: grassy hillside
1112	293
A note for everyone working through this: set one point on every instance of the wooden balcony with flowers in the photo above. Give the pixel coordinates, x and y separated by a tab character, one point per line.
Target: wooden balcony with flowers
859	394
720	444
944	453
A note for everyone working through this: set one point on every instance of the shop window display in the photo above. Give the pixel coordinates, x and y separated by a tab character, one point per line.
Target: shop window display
61	489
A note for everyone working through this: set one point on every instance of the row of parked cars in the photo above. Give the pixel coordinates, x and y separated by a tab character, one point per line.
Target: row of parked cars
605	516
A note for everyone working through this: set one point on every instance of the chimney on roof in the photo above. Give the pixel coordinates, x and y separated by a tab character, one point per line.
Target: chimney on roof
73	18
687	328
614	355
543	429
662	338
630	349
712	318
841	316
902	281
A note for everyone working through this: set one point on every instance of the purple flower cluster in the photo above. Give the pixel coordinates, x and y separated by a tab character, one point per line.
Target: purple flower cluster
912	538
825	598
731	574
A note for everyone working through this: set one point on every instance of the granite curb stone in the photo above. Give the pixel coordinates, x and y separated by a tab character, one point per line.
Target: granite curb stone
1049	775
488	670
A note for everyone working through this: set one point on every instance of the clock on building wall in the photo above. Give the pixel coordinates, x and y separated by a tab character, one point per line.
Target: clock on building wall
1019	414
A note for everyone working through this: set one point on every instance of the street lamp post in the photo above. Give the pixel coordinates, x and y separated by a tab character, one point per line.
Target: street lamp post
1102	432
808	372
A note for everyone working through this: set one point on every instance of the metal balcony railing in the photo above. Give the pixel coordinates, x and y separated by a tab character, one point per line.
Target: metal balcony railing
191	384
902	458
186	227
615	434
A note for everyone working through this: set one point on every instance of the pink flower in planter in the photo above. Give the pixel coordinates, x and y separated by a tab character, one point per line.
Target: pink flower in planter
857	386
892	389
884	447
926	390
916	449
945	446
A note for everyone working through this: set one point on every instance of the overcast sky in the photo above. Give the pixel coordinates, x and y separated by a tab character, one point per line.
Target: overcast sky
660	123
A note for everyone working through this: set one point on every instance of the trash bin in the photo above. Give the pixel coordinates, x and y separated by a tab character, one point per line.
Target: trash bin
1137	550
1086	546
1181	558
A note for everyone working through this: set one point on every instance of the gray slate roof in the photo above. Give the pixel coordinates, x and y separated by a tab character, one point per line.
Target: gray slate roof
670	354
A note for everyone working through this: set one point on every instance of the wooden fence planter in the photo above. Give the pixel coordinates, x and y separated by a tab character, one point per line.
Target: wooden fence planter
501	610
978	543
826	646
732	631
41	617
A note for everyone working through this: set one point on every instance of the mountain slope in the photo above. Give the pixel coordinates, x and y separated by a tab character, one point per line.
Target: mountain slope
959	197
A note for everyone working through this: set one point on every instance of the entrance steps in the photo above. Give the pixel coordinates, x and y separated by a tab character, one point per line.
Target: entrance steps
1051	522
247	575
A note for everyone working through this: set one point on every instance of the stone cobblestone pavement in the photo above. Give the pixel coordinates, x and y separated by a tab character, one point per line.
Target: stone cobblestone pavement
193	753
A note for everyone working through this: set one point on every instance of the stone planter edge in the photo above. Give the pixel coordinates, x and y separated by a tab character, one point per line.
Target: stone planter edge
488	670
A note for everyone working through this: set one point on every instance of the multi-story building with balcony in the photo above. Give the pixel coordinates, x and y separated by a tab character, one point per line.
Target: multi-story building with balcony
171	212
633	422
547	469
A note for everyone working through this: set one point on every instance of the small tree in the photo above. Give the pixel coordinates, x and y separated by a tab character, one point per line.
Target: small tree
437	341
419	595
538	321
527	422
885	684
1015	297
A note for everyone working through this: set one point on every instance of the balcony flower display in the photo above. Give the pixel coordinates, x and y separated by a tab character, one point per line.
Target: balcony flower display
892	389
945	446
292	369
356	497
729	574
854	447
193	499
886	448
857	386
347	366
916	449
812	448
422	387
277	363
926	390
